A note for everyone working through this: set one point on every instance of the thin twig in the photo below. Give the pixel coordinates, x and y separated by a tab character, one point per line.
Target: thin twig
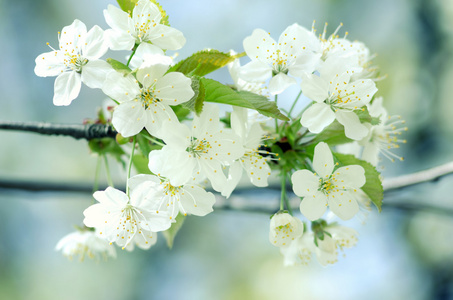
404	181
77	131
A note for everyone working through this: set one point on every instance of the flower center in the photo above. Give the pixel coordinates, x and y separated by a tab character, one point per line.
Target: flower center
142	27
327	185
198	147
75	61
280	61
148	99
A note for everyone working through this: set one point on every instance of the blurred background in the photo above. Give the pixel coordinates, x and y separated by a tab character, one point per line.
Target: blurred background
401	254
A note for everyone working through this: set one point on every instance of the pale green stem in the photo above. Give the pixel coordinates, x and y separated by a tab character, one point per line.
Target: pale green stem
283	194
130	57
96	176
153	140
276	120
107	171
294	104
130	164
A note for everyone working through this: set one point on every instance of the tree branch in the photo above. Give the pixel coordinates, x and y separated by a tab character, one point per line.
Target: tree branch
77	131
404	181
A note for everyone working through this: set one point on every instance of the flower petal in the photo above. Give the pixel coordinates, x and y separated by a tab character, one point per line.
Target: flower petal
352	176
174	88
305	183
280	82
119	40
371	153
152	69
116	18
352	126
95	72
234	176
50	64
196	201
94	44
305	63
313	207
70	35
120	88
317	117
323	160
144	50
256	169
156	115
314	87
255	71
129	118
167	37
175	164
259	45
343	204
66	88
213	170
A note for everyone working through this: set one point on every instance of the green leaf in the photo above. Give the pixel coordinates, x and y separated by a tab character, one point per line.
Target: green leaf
217	92
363	114
196	103
170	233
203	62
127	5
373	186
119	66
181	112
332	135
140	163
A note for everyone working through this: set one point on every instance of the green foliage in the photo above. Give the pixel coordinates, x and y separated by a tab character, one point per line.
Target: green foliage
140	163
217	92
203	62
365	117
127	5
119	66
170	233
106	146
196	103
373	186
332	135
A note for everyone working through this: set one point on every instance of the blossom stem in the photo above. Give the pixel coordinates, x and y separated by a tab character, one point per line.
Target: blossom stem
153	140
107	170
294	104
130	57
283	197
276	121
96	174
130	164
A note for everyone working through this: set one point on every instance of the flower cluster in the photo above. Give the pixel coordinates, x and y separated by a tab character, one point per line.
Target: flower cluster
181	145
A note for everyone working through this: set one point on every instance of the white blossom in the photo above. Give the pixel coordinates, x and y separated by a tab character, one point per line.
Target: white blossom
251	137
145	102
85	244
124	220
328	187
203	150
383	137
142	26
336	97
291	54
335	238
186	199
234	68
284	229
76	61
